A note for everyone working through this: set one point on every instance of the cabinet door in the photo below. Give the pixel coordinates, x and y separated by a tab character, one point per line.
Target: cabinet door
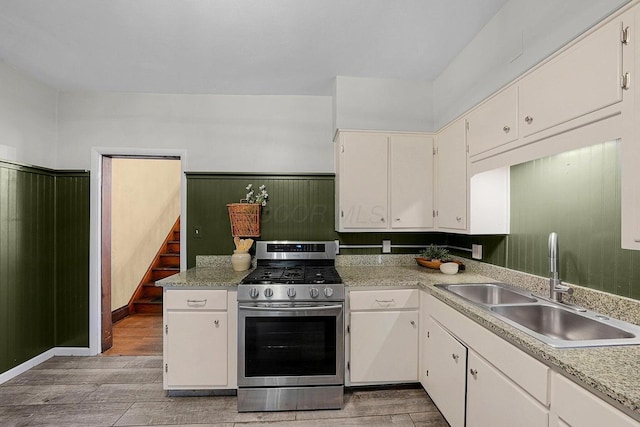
451	177
411	180
446	364
495	123
363	180
575	406
384	346
196	354
581	80
493	400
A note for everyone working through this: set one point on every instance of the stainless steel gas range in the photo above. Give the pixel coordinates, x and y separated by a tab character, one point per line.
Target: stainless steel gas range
291	329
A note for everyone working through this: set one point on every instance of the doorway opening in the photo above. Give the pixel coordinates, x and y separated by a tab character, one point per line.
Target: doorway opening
140	210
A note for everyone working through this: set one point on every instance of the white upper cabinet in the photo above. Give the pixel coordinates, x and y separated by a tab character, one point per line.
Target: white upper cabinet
584	78
411	179
384	181
361	182
494	123
451	177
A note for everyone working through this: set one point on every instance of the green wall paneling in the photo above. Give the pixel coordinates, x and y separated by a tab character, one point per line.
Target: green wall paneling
494	247
72	259
30	271
27	232
300	207
577	195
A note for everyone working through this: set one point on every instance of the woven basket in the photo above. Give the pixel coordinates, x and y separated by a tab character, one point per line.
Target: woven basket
245	219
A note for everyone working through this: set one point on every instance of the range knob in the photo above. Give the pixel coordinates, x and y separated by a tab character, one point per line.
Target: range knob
313	292
268	292
328	292
291	292
254	292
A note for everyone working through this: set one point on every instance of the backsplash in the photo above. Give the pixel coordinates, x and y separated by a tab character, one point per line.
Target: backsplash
577	195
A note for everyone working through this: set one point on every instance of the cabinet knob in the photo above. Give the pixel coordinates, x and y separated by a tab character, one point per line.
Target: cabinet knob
458	218
217	323
506	129
381	219
455	357
413	323
528	120
473	372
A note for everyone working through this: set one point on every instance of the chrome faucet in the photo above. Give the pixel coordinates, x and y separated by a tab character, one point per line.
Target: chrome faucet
556	288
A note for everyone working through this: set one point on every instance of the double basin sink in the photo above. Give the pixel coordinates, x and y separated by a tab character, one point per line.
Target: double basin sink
556	324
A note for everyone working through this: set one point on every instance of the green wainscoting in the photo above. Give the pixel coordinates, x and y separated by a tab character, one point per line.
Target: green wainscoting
72	260
36	275
301	207
577	195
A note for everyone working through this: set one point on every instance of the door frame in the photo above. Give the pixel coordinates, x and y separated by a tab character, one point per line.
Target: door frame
95	233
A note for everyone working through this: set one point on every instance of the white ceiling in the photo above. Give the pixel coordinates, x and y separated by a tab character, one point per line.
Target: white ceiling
292	47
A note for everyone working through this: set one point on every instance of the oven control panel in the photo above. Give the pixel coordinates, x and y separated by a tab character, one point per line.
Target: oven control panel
286	292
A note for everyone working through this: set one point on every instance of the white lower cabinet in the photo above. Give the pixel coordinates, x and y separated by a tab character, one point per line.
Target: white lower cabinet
572	405
499	385
494	400
504	385
383	336
199	339
445	378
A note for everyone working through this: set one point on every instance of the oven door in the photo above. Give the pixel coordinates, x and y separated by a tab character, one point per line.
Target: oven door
290	344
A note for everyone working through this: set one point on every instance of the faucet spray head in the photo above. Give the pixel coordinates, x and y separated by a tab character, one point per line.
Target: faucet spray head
554	258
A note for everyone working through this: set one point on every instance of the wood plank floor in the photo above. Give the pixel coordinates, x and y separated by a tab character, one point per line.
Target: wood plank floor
127	391
137	335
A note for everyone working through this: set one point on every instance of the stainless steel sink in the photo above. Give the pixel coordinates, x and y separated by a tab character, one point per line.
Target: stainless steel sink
489	293
555	324
559	325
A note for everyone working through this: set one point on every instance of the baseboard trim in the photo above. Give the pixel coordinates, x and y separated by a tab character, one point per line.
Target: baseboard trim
120	313
43	357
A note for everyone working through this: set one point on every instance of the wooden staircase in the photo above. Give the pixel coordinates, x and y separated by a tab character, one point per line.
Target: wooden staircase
148	297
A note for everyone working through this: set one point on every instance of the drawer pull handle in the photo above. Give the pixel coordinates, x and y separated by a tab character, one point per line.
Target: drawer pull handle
197	301
386	301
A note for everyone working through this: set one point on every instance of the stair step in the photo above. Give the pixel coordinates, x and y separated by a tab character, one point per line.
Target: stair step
148	305
173	246
170	260
150	290
162	272
176	235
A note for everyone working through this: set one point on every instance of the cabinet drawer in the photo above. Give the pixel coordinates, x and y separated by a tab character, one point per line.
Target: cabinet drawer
384	300
175	299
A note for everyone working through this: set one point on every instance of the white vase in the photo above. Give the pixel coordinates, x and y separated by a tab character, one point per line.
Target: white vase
240	261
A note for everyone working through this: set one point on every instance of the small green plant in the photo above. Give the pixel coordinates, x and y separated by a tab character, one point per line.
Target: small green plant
434	252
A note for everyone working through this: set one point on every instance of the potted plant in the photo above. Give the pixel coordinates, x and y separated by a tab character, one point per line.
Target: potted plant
433	256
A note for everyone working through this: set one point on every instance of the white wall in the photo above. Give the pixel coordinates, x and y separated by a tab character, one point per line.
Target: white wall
145	203
520	35
383	104
219	132
27	118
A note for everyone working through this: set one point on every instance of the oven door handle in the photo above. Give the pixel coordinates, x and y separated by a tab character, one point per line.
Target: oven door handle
305	308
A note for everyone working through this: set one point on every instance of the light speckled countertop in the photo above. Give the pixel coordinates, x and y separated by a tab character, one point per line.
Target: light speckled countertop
610	372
